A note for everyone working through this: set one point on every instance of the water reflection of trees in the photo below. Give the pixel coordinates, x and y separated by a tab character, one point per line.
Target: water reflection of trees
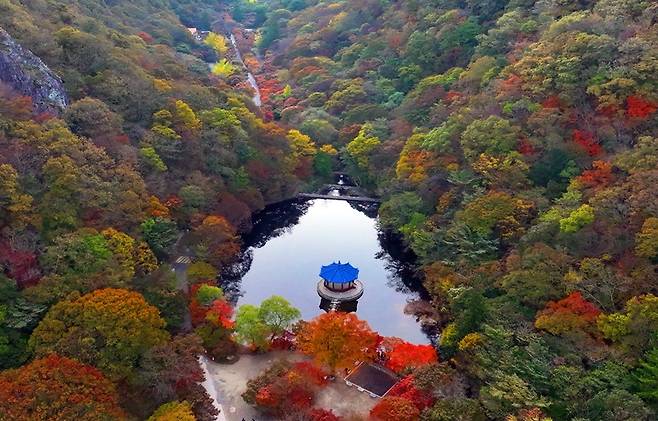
279	218
274	221
400	263
229	279
271	222
371	210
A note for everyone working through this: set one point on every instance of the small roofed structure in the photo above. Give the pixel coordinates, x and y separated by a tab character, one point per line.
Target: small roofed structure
339	276
372	379
339	283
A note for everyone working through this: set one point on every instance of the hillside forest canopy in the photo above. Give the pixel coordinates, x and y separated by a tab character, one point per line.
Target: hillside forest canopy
513	145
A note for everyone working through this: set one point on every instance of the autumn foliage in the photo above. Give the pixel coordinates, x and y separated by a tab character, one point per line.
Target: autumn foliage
57	388
570	313
407	389
173	411
395	409
220	314
598	176
587	142
338	340
638	107
404	355
319	414
109	328
286	388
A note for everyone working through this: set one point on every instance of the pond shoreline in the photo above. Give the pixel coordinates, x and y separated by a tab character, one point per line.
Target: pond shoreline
291	239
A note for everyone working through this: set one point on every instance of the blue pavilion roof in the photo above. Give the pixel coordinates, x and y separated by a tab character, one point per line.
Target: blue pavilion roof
339	273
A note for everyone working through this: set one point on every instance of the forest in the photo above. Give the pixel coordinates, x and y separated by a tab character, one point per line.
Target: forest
513	143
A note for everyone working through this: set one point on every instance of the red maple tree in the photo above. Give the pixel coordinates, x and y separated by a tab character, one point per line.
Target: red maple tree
220	314
57	388
293	391
405	355
406	388
638	107
586	140
319	414
551	102
569	313
22	266
600	175
525	147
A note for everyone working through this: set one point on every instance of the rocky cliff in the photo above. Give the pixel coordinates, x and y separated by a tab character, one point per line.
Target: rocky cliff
27	74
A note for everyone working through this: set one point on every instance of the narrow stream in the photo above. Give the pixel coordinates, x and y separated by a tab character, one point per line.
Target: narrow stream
250	77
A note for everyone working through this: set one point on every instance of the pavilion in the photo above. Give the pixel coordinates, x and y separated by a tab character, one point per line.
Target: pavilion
339	283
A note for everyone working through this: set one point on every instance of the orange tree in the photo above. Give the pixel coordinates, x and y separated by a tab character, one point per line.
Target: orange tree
394	408
57	388
338	340
109	328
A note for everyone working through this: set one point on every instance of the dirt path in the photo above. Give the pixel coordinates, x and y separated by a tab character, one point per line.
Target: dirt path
230	382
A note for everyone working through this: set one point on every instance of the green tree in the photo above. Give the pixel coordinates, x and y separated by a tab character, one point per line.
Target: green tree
277	314
577	219
60	205
18	317
92	118
635	328
646	376
208	293
151	157
457	409
493	136
160	234
201	271
250	328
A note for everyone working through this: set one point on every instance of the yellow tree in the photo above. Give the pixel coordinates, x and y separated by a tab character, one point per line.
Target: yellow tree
223	69
185	118
15	207
122	246
109	328
363	144
217	42
646	241
303	149
173	411
414	161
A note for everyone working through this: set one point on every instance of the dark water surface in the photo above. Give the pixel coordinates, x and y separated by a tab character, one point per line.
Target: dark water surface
289	243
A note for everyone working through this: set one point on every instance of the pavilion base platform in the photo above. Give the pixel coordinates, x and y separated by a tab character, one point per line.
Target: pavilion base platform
340	296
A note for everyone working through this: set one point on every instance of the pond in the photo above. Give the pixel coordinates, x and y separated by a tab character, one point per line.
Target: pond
289	243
